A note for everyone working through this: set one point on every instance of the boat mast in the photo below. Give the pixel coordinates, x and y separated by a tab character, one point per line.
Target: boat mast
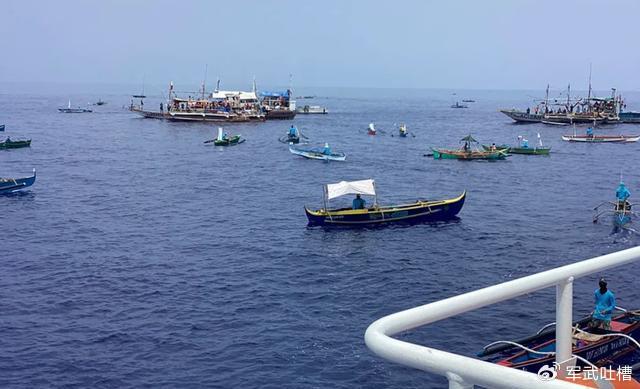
546	100
568	96
204	80
589	95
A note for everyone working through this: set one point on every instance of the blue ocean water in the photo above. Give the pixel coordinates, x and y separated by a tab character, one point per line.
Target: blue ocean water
145	258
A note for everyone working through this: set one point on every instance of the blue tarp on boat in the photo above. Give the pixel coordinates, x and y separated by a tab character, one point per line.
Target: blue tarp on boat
284	94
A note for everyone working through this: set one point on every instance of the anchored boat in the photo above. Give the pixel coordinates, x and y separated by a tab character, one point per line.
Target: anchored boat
469	151
312	109
10	185
278	105
1	127
325	153
458	105
420	211
224	139
598	346
15	144
73	110
522	147
601	138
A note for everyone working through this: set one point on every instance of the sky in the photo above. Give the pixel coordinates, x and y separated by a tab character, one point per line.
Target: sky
491	44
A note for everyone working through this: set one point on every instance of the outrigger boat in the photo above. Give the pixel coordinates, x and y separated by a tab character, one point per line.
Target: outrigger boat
521	148
224	140
325	153
15	144
312	109
73	110
419	212
620	212
469	151
598	346
601	138
293	136
1	127
458	105
372	129
10	185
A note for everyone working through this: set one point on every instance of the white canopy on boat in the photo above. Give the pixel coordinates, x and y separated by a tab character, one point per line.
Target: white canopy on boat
365	187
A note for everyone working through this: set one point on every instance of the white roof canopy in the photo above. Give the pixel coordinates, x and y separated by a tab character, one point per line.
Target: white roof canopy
365	187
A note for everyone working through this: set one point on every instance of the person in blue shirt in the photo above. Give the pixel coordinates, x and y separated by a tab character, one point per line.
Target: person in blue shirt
622	194
605	302
326	150
525	143
293	131
358	202
590	132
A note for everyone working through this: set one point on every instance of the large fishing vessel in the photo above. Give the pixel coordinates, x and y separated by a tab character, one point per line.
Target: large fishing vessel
577	110
218	106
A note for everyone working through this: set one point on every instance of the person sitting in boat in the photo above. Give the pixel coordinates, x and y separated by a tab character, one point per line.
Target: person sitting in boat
622	194
326	150
358	202
225	136
605	302
525	143
467	147
493	147
590	132
293	132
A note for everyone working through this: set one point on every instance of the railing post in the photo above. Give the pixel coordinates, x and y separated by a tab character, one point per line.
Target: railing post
457	382
564	323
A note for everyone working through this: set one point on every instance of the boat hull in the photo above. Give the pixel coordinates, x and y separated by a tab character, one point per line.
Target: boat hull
522	117
280	114
630	117
10	185
419	212
74	110
521	150
15	144
469	156
601	138
313	154
235	140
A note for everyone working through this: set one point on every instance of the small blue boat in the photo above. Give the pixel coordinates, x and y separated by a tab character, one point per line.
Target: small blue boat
10	185
1	127
324	154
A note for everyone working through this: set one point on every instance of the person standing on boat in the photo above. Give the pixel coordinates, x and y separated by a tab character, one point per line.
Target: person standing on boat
590	132
622	194
161	107
326	150
605	302
358	202
293	131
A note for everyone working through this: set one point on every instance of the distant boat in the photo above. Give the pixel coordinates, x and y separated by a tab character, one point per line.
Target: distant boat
1	127
14	144
468	101
601	138
629	117
458	105
318	153
312	109
224	140
10	185
100	102
73	110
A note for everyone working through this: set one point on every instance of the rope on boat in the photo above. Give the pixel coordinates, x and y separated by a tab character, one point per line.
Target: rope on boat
606	335
545	327
521	346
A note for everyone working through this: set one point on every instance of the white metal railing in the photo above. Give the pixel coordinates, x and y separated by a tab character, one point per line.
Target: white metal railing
465	372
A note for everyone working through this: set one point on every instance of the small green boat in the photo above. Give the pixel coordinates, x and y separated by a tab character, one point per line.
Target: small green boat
469	151
520	150
232	141
14	144
522	147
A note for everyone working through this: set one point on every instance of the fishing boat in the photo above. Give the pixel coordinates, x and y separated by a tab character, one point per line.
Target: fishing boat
325	153
469	151
312	109
620	212
293	136
521	148
468	101
458	105
100	102
278	105
591	109
10	185
1	127
601	138
420	211
629	117
372	129
225	140
598	346
14	144
73	110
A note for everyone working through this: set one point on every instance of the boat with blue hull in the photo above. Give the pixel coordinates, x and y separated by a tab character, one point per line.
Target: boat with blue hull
10	185
598	346
421	211
1	127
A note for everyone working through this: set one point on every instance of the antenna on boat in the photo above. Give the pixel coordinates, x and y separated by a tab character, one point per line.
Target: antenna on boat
589	95
204	81
217	84
568	95
254	84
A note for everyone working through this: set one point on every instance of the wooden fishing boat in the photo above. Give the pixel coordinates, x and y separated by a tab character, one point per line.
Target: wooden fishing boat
458	105
421	211
10	185
598	346
601	138
295	139
15	144
318	153
620	211
469	151
522	148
